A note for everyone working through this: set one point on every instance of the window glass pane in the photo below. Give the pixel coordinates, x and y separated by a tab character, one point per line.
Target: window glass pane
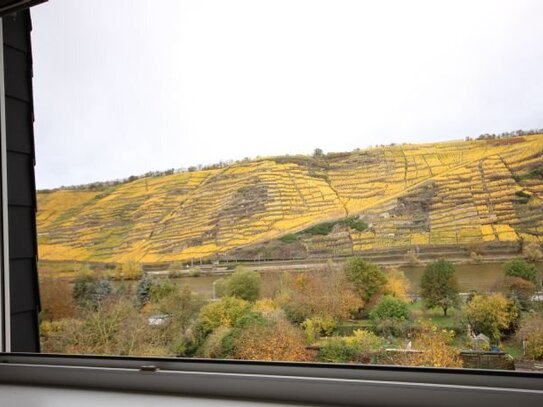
291	180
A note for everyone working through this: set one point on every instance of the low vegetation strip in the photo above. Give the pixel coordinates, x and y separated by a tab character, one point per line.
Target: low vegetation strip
354	312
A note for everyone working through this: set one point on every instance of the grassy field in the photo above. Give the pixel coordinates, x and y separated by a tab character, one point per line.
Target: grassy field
459	192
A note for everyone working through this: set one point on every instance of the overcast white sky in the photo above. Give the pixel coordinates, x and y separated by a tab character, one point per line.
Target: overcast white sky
123	87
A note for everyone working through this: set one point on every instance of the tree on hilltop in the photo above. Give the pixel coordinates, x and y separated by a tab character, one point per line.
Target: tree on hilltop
318	153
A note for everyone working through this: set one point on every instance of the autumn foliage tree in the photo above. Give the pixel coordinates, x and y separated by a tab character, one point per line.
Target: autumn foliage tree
491	315
397	284
531	333
308	295
275	340
439	286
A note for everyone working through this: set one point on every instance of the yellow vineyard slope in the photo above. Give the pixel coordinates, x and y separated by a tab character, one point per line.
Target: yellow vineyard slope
409	195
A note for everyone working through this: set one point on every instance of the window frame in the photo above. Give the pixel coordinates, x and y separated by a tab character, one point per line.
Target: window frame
313	383
5	308
318	383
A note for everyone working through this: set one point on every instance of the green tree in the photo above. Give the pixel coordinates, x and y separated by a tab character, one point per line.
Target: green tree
318	153
439	286
244	284
520	268
143	292
366	277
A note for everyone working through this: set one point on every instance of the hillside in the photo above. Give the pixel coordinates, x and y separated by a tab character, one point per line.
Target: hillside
457	192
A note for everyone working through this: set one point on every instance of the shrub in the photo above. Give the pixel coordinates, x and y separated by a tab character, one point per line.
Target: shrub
315	327
56	299
266	306
520	268
412	258
213	345
195	272
161	288
535	173
531	333
390	307
365	341
89	291
182	308
355	223
523	196
521	290
321	229
113	328
434	346
390	316
130	270
274	340
476	258
337	350
143	292
439	286
289	238
350	348
224	312
220	287
532	251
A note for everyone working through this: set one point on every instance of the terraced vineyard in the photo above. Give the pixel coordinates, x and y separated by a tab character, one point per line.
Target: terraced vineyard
450	193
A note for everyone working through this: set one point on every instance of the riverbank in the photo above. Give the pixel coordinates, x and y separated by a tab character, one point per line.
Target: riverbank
471	277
